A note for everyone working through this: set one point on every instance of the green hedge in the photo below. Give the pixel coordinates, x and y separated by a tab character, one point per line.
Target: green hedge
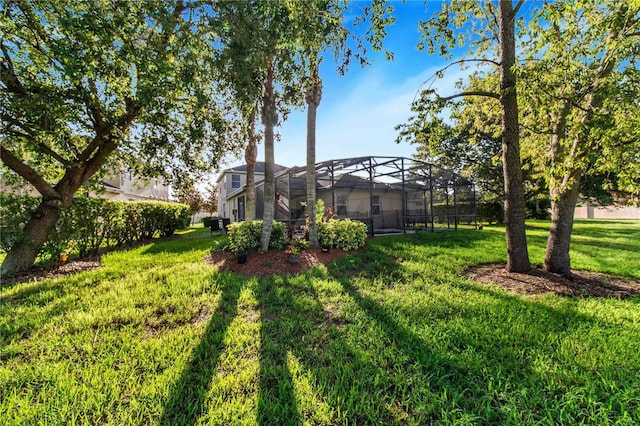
88	224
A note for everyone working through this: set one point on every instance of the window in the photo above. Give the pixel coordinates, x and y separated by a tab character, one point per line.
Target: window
375	204
235	181
341	205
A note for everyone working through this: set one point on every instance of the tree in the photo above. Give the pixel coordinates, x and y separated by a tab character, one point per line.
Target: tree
262	58
87	84
211	199
187	193
492	32
325	32
313	98
469	142
582	82
577	87
272	59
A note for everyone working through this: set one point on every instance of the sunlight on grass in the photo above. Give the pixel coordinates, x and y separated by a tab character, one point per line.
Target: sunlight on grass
393	334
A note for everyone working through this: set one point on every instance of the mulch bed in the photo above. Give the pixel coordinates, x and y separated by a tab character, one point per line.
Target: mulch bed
538	281
273	262
58	271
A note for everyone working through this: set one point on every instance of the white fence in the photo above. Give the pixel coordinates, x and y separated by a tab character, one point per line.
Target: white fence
609	212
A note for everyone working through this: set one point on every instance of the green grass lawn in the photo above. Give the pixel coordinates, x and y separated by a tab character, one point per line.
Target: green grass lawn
394	334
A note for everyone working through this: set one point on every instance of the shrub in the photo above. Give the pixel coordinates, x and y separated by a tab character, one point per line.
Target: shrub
15	212
89	235
342	234
245	236
326	235
279	238
349	235
491	211
538	209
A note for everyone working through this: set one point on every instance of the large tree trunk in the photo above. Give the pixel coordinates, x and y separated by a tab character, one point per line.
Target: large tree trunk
313	98
564	185
24	253
269	119
563	200
514	206
36	232
563	206
43	221
250	155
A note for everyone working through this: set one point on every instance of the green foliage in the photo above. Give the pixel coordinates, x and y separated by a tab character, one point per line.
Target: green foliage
580	84
187	193
75	70
92	223
89	224
326	236
15	212
319	212
491	211
344	234
245	236
301	244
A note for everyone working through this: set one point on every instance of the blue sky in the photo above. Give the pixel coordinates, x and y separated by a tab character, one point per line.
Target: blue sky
359	110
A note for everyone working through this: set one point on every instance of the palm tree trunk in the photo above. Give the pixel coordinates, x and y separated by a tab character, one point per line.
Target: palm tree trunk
313	98
269	119
250	155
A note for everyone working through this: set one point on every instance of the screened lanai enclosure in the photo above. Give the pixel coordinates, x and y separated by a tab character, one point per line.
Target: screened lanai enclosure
389	194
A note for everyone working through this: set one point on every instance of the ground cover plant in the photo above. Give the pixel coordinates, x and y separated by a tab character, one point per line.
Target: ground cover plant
394	333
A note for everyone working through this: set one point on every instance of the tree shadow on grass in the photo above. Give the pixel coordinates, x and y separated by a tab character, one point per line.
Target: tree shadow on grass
276	397
484	344
187	396
297	328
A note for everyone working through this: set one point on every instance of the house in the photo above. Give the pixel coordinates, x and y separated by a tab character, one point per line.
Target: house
231	190
116	186
389	194
126	187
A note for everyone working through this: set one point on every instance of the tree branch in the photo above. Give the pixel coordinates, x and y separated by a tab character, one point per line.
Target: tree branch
12	120
107	143
8	75
481	93
441	70
28	133
29	174
517	7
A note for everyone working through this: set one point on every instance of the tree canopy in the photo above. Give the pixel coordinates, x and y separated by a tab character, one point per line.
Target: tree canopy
577	95
91	83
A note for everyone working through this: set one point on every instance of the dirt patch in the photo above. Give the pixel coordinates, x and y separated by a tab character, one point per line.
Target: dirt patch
273	262
538	281
63	270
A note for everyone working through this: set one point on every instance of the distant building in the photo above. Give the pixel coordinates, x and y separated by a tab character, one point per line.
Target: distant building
231	186
117	186
126	187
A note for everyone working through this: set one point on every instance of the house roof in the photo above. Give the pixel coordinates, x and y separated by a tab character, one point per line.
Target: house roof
259	168
388	173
